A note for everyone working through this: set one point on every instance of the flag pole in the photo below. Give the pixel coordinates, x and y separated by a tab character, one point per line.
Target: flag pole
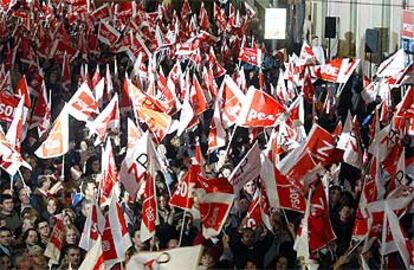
231	139
62	173
284	214
182	229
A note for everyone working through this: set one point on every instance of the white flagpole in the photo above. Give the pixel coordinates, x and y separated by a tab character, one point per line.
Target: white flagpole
63	168
231	139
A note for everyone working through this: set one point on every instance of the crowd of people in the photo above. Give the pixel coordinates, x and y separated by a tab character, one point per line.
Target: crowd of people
57	47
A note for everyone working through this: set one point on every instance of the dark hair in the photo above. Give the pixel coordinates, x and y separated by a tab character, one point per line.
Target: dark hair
42	179
85	182
26	233
70	246
4	197
4	228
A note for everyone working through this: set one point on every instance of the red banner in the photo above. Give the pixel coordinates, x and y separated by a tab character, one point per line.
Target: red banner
407	30
8	103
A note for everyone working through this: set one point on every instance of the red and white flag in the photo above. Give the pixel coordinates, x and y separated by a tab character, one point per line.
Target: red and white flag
217	134
108	119
284	194
149	205
14	133
82	105
233	98
56	241
183	196
93	228
248	169
251	55
108	34
109	175
215	201
8	103
57	141
42	113
149	209
198	99
259	110
10	159
94	258
135	164
115	238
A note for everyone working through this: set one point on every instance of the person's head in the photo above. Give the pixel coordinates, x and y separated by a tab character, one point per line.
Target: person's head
24	196
71	235
44	183
69	216
250	187
73	255
282	263
250	265
335	194
23	261
5	236
172	243
5	262
36	253
345	213
207	259
226	171
30	237
7	203
94	165
43	228
248	237
86	207
89	189
52	206
315	40
162	201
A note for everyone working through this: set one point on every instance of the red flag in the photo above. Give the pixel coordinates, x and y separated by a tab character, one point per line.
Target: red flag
198	99
22	89
308	89
115	238
82	105
8	103
319	223
56	242
217	134
108	34
215	201
251	55
203	18
149	209
233	99
183	196
109	175
321	144
42	112
259	110
93	228
217	68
